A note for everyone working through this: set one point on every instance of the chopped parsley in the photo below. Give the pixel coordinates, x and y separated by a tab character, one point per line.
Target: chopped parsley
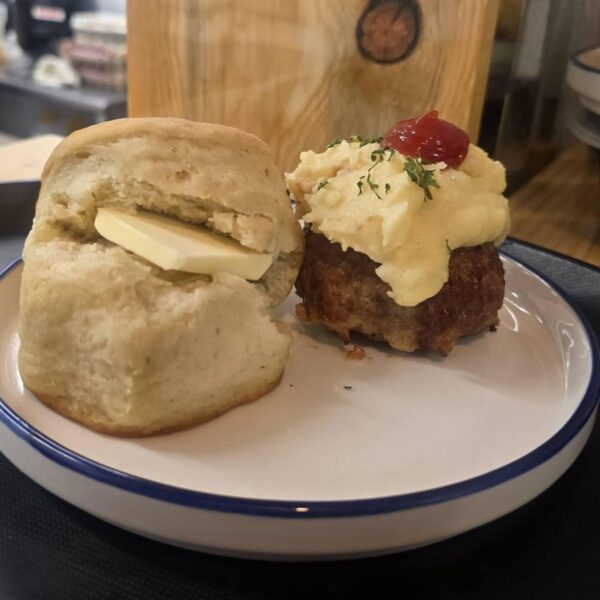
373	186
360	184
347	387
361	141
418	174
448	247
378	155
322	184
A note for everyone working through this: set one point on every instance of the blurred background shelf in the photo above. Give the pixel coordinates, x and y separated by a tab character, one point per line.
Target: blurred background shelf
36	109
62	65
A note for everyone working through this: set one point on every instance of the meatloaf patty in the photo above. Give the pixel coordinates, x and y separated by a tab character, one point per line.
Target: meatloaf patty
341	291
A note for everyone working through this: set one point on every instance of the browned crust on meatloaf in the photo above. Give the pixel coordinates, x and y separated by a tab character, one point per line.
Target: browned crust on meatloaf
341	291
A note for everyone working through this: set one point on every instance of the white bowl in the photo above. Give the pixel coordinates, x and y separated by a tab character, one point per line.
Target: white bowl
345	458
583	77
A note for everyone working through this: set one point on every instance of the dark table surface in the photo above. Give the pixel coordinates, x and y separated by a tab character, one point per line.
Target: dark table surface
548	549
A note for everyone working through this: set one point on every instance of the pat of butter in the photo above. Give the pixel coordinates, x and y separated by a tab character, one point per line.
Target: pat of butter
173	245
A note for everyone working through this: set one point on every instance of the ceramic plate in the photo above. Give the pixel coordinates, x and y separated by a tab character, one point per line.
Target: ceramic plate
583	77
345	458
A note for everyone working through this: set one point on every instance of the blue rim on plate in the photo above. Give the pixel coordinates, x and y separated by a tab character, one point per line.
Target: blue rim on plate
319	509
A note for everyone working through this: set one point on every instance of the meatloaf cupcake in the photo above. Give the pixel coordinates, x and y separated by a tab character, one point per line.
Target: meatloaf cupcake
401	235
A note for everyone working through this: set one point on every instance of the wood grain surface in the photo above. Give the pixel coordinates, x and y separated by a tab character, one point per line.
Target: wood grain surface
291	71
560	207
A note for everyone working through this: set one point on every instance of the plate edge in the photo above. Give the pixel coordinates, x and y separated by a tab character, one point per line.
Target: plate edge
323	508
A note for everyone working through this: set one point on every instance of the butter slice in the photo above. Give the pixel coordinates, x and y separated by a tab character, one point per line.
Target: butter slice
174	245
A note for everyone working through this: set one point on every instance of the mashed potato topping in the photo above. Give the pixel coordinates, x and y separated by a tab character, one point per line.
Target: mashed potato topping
363	197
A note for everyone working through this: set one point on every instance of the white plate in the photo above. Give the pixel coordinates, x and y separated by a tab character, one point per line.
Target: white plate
583	77
345	458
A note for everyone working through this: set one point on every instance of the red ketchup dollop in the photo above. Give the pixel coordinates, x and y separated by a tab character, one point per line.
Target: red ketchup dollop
430	139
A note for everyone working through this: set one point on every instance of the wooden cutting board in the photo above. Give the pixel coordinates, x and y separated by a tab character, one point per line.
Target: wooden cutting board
300	73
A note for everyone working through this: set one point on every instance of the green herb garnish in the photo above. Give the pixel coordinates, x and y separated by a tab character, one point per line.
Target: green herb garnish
373	186
388	187
347	387
322	184
364	141
333	143
378	155
421	176
360	184
448	247
361	141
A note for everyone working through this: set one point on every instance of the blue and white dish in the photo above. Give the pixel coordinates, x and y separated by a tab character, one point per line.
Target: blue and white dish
345	458
583	77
